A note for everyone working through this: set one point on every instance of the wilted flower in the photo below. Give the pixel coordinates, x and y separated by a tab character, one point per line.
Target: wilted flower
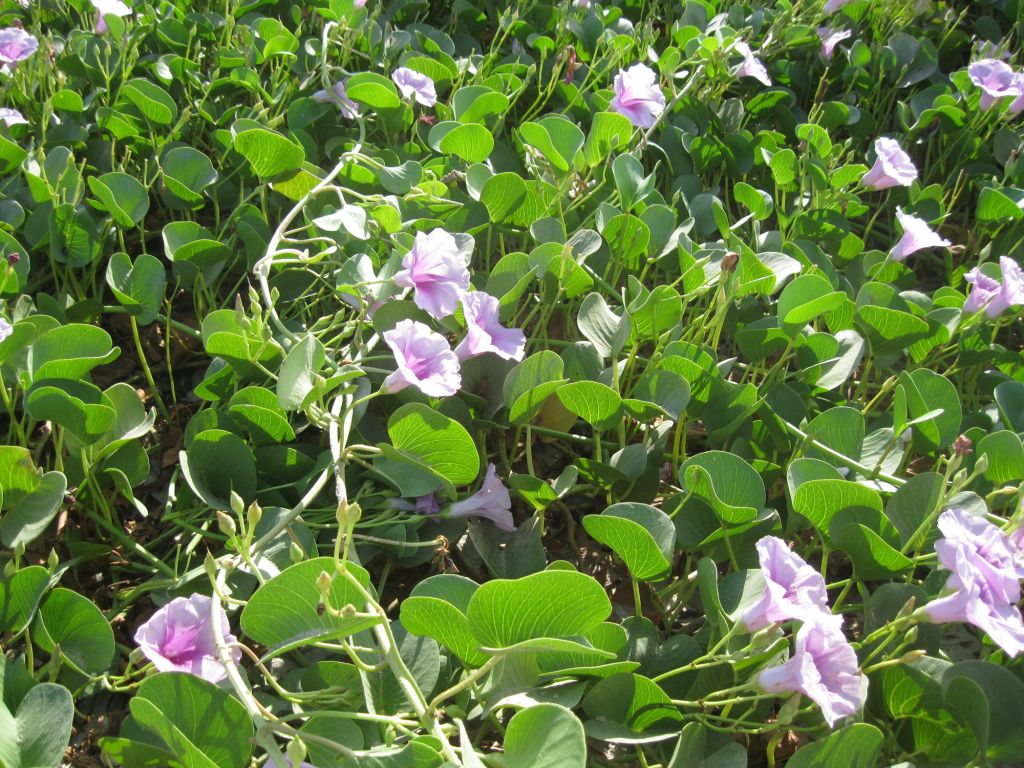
336	95
831	37
984	583
751	66
424	359
106	8
484	331
412	84
995	296
893	167
824	668
10	116
996	79
16	45
637	95
917	236
6	329
491	501
179	638
423	505
834	5
793	589
437	269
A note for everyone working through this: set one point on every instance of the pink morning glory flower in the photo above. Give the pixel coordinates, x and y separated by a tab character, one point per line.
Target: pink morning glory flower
16	45
831	37
995	296
491	501
751	66
336	95
414	85
834	5
793	589
984	583
917	236
423	505
824	668
106	8
179	638
10	117
424	359
484	331
637	95
6	329
437	269
893	167
996	79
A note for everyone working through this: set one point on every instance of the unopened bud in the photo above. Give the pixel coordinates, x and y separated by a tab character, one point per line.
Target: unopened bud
908	608
254	514
225	523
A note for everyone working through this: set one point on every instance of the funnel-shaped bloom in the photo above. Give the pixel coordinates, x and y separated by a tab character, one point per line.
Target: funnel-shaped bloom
751	65
414	85
831	37
484	331
993	295
793	589
917	236
983	588
179	638
10	116
637	95
824	668
16	45
336	95
424	360
893	167
437	269
491	501
996	79
106	8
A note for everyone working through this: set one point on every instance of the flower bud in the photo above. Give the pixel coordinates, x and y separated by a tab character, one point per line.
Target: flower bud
225	523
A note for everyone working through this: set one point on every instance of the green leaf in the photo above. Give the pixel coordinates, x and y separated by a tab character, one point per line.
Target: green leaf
597	404
609	131
600	326
40	733
545	736
122	196
630	699
437	608
642	536
857	746
150	99
139	287
373	90
440	443
282	614
216	463
726	483
202	725
270	153
187	173
470	141
71	621
504	612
